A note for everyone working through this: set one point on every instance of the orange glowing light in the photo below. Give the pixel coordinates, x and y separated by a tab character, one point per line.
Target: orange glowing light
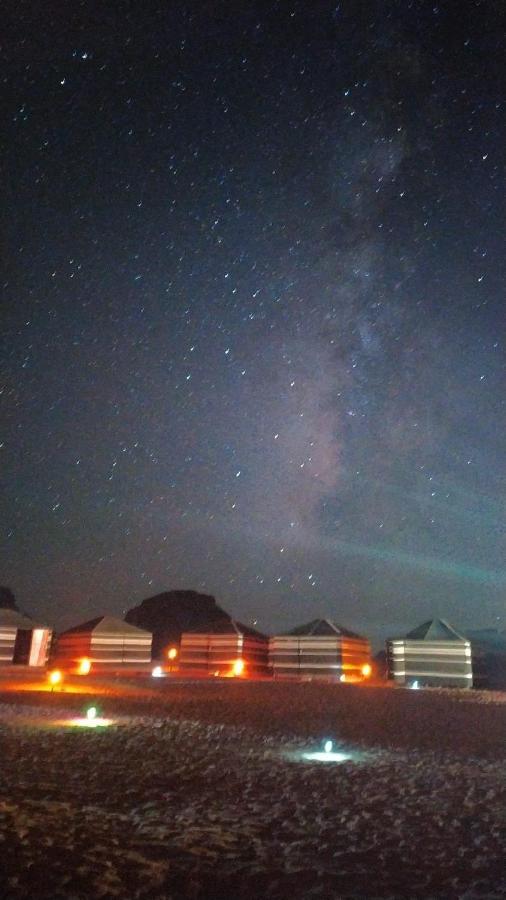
54	677
366	670
238	667
84	667
172	653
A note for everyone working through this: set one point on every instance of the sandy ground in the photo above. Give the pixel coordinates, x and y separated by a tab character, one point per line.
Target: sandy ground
202	791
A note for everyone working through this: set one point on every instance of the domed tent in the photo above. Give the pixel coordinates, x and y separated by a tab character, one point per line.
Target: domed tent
22	641
105	641
223	646
433	654
320	649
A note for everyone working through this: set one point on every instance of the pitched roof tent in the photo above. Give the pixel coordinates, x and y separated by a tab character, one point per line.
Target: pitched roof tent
434	630
232	626
433	654
106	625
216	648
11	618
105	640
319	649
22	640
322	627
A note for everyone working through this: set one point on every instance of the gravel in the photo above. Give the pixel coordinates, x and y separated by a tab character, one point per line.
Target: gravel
171	802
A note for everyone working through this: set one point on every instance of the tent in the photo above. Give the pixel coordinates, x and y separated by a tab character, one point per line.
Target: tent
433	654
320	649
105	641
225	648
22	641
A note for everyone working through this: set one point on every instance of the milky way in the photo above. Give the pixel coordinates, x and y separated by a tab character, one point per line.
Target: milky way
252	320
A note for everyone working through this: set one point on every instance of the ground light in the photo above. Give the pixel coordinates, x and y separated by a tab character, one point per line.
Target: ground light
325	754
84	667
157	672
238	667
366	670
91	719
55	678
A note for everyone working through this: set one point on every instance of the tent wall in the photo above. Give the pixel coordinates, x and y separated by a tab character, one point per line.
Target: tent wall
127	649
106	648
24	646
432	663
210	653
7	643
73	646
324	656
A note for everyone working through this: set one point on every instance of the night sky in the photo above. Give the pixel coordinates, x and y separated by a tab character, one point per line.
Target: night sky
253	324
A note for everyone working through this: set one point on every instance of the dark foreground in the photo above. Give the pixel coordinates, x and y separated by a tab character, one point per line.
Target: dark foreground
177	801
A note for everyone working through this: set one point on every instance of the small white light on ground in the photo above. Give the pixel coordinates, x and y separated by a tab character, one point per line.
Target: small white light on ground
326	756
350	755
415	686
96	722
91	713
157	672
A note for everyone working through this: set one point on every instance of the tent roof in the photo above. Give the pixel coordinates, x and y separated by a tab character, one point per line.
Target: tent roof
106	625
323	628
434	630
231	626
11	618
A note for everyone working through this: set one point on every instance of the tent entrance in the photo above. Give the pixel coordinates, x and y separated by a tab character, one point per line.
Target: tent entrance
30	647
22	646
38	647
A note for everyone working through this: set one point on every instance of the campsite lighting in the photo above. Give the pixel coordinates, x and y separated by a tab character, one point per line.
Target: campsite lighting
366	670
54	677
238	667
91	718
328	755
157	672
84	666
415	686
325	752
88	721
172	653
342	677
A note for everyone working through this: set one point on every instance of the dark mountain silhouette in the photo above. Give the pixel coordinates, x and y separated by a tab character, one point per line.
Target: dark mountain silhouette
7	598
488	647
167	615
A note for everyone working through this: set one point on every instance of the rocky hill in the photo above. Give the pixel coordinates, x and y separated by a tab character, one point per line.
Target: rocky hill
167	615
7	599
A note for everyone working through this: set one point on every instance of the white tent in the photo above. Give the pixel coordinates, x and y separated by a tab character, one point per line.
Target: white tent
22	641
320	649
106	641
432	654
